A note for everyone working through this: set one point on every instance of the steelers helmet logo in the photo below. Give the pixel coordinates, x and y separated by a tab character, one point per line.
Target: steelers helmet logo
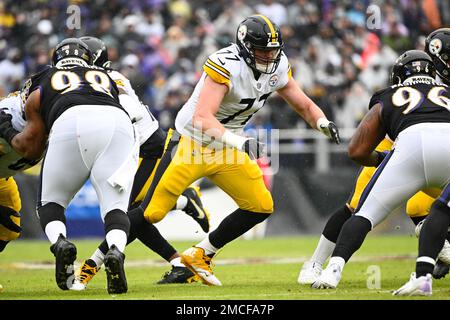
435	46
242	32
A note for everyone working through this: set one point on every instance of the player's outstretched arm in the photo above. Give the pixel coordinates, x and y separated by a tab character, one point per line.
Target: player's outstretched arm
308	110
368	135
30	143
208	104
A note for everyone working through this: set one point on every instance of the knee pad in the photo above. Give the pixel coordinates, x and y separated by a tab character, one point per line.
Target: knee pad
262	203
9	224
51	212
117	219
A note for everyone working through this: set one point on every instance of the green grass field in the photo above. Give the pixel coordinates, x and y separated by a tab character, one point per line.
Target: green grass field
249	269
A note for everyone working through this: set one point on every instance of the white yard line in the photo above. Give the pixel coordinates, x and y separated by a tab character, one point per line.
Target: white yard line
224	262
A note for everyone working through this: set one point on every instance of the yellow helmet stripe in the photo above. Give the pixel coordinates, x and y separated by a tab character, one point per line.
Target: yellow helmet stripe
272	29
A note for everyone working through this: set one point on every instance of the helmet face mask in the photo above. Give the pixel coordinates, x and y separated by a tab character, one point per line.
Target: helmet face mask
260	43
72	48
437	45
412	63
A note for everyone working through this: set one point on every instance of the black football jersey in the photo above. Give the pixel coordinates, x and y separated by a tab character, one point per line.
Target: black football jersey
63	88
403	105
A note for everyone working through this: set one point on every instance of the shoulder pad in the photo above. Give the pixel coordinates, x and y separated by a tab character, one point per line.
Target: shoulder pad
31	84
378	96
222	64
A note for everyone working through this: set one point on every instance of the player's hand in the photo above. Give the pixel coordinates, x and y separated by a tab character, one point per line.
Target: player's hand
253	148
7	131
330	129
7	222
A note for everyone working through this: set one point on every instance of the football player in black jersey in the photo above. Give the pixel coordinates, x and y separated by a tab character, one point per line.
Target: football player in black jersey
90	135
414	112
437	45
150	153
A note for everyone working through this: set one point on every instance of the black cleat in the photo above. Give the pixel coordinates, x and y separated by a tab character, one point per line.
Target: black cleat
440	270
65	253
195	209
115	272
178	275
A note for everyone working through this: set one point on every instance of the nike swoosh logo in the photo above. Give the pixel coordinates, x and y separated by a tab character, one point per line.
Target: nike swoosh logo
201	214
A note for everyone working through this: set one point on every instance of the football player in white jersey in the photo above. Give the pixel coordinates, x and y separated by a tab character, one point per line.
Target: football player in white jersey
235	83
11	163
152	140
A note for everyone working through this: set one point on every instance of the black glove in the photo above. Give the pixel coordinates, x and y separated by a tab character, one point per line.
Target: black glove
331	131
7	131
253	148
6	221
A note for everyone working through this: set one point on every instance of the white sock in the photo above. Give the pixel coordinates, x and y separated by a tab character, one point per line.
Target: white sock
323	251
98	257
117	237
54	229
176	262
337	260
207	246
181	202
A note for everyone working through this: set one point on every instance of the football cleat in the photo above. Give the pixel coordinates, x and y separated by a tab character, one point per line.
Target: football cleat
195	209
178	275
309	273
65	253
444	254
330	277
115	272
85	274
421	286
440	270
199	263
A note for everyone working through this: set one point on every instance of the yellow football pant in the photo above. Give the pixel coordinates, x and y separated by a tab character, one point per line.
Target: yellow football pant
10	197
186	161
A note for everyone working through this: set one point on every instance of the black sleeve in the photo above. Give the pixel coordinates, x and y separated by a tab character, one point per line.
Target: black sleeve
33	83
376	98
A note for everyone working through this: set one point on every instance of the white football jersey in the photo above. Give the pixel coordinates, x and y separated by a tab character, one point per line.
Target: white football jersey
10	161
246	95
144	122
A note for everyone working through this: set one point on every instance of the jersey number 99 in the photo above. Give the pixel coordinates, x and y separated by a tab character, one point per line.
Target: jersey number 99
66	81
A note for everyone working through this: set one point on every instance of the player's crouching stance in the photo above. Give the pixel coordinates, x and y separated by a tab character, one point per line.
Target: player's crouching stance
89	136
152	141
413	112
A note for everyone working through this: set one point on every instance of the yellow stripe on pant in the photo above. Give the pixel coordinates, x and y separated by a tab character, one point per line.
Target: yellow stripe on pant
186	161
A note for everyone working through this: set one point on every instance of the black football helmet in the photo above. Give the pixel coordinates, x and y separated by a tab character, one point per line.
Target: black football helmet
412	63
99	51
437	45
72	47
259	33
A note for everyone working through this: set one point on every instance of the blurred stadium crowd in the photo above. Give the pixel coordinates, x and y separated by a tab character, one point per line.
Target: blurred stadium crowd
160	45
